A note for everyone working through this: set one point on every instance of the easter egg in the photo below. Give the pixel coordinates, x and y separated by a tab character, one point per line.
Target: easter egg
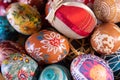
7	32
55	72
107	10
19	67
24	18
9	47
114	62
71	24
105	39
90	67
3	5
47	46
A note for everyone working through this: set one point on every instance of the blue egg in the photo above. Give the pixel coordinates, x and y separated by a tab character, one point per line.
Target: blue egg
55	72
6	30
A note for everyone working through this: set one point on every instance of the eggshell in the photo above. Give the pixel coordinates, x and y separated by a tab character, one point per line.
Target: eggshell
90	67
7	32
47	46
106	38
9	47
55	72
114	62
71	24
19	67
24	18
107	10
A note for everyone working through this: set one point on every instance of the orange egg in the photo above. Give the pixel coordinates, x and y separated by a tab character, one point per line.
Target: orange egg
47	46
106	38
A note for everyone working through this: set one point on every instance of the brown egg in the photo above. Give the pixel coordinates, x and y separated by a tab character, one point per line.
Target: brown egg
47	46
9	47
106	38
107	10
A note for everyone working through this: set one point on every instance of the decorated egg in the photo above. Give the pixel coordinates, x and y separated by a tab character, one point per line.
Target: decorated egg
24	18
38	4
105	38
68	15
114	62
90	67
9	47
107	10
19	67
55	72
47	46
3	5
7	32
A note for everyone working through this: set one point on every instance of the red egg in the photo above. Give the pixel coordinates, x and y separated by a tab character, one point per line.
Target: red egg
3	5
106	38
9	47
47	46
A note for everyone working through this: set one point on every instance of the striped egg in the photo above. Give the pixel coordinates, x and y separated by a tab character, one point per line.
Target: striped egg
67	19
107	10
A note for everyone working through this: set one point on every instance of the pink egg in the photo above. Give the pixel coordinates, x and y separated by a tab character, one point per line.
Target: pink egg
90	67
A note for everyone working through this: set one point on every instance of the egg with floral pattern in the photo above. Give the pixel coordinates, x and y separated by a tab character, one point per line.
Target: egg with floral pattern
106	38
47	46
9	47
24	18
90	67
19	67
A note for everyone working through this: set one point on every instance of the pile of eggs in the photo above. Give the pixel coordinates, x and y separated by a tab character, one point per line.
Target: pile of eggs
35	39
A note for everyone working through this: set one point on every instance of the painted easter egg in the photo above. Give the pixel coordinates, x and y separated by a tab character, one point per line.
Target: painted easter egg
24	18
107	10
90	67
47	46
7	32
114	62
105	38
55	72
9	47
3	5
19	67
71	24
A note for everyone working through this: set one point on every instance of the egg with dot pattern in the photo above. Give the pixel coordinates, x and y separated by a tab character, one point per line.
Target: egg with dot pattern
19	67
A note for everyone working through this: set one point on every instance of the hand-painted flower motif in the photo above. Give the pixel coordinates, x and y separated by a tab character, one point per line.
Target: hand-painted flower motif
22	75
8	76
34	51
53	42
